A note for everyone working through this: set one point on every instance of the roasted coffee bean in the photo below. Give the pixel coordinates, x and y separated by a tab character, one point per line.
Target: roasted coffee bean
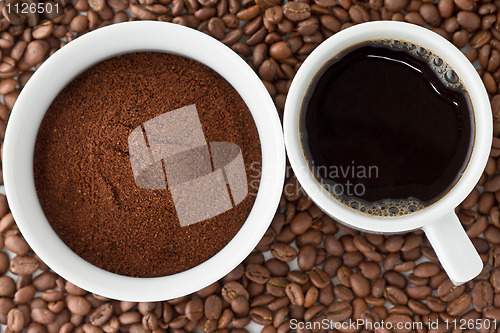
276	286
283	252
430	14
395	279
78	305
352	259
16	243
319	278
15	320
331	265
296	11
101	315
23	265
233	289
295	294
447	291
257	273
468	20
42	316
459	305
426	269
360	285
216	27
194	309
213	307
261	316
306	257
395	295
7	286
358	14
482	296
240	306
277	267
395	5
339	311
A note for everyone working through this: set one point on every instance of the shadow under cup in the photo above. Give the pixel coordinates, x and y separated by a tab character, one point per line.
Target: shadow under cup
387	127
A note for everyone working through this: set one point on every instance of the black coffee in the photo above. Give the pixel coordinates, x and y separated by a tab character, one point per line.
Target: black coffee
387	127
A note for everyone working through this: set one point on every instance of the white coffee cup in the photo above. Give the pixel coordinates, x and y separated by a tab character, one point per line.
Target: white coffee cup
439	221
55	74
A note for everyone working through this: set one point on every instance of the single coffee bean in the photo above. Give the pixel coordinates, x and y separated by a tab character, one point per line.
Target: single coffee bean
358	14
418	292
331	265
7	286
302	221
352	259
319	278
480	39
395	295
339	311
233	289
240	306
360	285
15	320
343	293
261	316
24	294
295	294
277	267
296	11
459	305
23	265
42	316
78	305
465	4
194	309
279	51
482	296
306	258
394	243
395	5
311	296
101	315
405	266
298	277
276	286
395	279
468	20
371	270
430	14
426	269
52	295
283	252
445	8
493	313
213	307
257	273
278	303
418	281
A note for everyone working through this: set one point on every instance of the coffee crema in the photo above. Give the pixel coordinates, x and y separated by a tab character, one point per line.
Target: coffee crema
387	127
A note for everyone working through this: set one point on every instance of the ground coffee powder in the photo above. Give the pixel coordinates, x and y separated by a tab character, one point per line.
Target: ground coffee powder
84	173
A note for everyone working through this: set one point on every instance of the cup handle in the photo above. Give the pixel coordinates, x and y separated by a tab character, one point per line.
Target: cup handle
454	249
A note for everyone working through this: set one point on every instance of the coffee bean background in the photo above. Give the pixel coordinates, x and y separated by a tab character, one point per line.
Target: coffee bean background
307	266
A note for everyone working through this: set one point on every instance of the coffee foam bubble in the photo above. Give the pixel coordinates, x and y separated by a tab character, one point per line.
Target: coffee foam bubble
384	208
441	68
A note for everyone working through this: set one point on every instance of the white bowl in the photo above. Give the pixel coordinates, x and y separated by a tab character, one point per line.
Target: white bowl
55	74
